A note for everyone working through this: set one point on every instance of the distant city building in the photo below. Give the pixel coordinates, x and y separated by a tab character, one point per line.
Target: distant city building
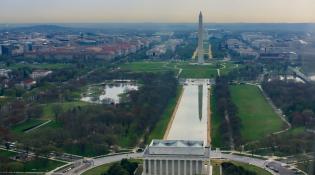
200	40
28	83
6	49
4	72
28	47
161	49
176	157
37	74
279	55
241	48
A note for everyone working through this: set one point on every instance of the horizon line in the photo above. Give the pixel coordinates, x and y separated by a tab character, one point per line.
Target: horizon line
15	23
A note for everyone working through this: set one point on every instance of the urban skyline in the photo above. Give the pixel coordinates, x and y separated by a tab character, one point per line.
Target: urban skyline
32	11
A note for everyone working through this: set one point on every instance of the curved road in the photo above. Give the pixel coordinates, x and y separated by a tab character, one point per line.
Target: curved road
264	164
84	166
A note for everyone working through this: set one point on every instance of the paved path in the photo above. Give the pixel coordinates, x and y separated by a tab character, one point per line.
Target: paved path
38	126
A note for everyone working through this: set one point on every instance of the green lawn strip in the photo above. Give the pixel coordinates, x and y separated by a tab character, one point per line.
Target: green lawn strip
189	70
7	154
215	123
257	116
98	170
35	165
198	73
257	170
227	68
48	109
129	139
41	165
27	125
160	128
144	66
296	131
88	151
40	66
215	170
53	124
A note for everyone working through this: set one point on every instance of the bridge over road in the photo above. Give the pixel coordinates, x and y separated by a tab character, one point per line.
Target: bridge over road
300	74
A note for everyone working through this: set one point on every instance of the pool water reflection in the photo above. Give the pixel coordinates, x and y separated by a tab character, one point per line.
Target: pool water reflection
188	124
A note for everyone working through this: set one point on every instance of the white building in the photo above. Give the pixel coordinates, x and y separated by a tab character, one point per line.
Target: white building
201	59
40	74
4	72
176	157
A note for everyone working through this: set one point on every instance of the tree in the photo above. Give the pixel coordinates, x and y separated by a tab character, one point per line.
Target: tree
57	109
116	169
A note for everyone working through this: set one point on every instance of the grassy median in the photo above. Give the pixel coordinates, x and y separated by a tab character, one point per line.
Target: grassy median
257	116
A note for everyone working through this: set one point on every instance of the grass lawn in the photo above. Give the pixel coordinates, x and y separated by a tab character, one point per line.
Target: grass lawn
257	170
98	170
129	139
257	116
188	70
227	67
147	66
215	170
7	154
104	168
29	124
48	109
41	165
198	71
36	165
88	152
40	66
215	167
160	128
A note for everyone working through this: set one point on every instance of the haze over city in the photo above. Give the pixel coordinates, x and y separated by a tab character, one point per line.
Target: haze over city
252	11
157	87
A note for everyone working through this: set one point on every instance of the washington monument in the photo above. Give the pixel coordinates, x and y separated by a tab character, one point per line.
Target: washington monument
201	59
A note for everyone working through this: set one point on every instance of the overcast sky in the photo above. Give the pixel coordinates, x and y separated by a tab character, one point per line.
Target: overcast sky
29	11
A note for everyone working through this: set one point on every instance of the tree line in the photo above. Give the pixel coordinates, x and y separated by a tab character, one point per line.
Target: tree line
230	122
297	100
97	129
124	167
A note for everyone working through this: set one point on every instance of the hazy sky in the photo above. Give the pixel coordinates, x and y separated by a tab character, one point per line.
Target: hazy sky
13	11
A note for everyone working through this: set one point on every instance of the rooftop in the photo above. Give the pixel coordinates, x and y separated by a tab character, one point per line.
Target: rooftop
190	148
176	143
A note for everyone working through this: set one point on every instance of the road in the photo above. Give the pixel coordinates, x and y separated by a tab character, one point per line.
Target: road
85	165
264	164
300	74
